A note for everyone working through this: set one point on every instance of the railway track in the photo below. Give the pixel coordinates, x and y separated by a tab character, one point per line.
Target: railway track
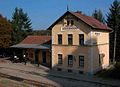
31	82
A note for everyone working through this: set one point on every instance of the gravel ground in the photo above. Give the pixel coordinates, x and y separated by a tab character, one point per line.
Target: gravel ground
41	74
11	83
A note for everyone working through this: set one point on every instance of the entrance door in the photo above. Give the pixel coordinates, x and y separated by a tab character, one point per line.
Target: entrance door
44	56
36	56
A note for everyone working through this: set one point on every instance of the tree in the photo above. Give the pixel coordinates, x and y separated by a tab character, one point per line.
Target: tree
21	25
97	14
5	32
42	32
113	21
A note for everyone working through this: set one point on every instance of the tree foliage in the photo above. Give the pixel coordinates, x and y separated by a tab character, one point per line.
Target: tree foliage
42	32
21	25
5	32
113	21
97	14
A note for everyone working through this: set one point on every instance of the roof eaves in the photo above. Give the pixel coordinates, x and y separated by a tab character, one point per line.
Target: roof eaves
32	46
93	27
99	29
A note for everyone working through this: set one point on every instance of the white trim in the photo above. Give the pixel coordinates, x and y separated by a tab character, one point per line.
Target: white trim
60	53
59	33
81	32
69	29
61	28
70	33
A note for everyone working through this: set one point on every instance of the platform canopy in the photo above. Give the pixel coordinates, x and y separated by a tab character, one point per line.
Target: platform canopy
34	46
35	42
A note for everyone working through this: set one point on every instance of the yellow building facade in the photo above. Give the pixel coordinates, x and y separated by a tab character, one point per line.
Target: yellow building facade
80	44
43	57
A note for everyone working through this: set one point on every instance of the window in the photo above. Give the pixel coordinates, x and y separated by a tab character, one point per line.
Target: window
68	22
70	39
43	56
101	59
72	22
59	39
81	61
70	60
81	39
59	58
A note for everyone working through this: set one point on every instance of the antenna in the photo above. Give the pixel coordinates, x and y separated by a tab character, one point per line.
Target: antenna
67	8
68	4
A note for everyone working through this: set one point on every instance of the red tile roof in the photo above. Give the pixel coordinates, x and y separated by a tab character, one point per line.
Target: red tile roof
36	40
90	21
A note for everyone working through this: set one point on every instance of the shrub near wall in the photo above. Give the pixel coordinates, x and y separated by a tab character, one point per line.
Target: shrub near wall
116	71
113	72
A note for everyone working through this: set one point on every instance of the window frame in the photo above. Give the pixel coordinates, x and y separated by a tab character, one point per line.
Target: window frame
70	60
81	40
70	40
68	22
81	61
59	39
72	22
60	59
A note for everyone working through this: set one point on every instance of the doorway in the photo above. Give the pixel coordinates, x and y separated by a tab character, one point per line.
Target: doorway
44	57
36	56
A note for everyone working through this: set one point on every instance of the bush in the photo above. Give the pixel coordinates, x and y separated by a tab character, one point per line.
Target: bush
116	71
111	73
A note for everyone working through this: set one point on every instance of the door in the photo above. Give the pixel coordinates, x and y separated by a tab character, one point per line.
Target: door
36	56
44	56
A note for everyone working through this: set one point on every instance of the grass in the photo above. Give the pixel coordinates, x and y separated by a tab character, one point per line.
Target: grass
111	73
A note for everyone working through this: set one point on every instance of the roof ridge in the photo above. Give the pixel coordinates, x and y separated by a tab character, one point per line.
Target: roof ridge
90	21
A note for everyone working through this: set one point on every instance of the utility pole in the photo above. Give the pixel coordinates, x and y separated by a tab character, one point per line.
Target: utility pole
68	4
114	51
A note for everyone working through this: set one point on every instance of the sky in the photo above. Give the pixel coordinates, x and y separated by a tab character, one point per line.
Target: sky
45	12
